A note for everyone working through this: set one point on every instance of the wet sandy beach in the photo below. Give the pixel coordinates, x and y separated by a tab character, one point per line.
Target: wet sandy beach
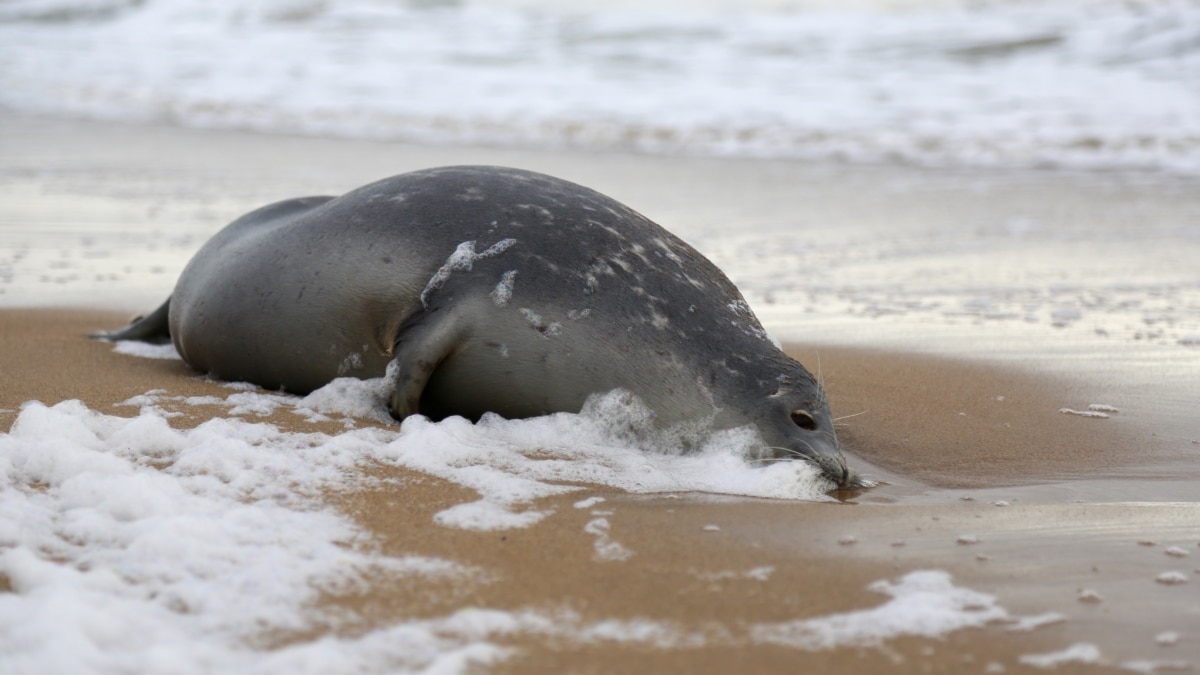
1070	522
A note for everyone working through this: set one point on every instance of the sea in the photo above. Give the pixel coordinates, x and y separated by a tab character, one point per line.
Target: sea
1091	84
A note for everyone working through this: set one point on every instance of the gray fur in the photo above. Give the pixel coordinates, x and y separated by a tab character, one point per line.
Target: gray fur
563	293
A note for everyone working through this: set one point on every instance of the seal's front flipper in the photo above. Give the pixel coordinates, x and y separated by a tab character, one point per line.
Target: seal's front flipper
425	340
151	328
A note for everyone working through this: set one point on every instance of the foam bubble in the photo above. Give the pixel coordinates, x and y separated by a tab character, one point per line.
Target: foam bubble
487	515
1095	414
348	396
1028	623
1082	652
754	574
134	545
511	463
1167	638
147	350
607	549
1173	578
924	603
1150	667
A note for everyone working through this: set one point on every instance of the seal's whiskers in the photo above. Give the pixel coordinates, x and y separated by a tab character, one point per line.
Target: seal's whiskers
846	417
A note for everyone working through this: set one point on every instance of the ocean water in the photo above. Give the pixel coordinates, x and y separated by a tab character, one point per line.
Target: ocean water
1093	84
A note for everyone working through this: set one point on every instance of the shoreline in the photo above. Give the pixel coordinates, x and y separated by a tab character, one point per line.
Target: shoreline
979	439
680	540
984	478
106	216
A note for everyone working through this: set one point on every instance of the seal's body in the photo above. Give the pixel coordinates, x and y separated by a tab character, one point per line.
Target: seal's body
493	290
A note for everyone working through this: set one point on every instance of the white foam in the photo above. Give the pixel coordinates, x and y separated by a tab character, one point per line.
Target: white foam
924	603
607	549
1082	652
754	574
1028	623
131	545
1172	578
951	83
147	350
1167	638
946	614
202	400
117	565
487	515
1150	667
1095	414
349	396
512	463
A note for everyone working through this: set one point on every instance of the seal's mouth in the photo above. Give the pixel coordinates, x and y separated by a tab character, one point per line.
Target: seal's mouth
827	458
835	469
852	480
833	465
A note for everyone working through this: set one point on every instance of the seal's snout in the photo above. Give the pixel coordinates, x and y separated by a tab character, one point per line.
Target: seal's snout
822	451
831	462
834	467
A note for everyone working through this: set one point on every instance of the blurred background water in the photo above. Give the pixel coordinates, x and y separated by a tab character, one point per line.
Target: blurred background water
1093	84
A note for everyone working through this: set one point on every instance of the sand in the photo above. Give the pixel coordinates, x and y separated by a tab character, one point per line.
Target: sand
983	476
1037	552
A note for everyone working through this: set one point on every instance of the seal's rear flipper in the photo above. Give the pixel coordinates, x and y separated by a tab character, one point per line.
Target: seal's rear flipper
151	328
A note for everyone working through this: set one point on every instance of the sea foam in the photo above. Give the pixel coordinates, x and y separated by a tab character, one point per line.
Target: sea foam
1069	83
132	545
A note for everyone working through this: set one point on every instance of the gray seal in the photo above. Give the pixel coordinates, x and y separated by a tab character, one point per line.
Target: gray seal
491	290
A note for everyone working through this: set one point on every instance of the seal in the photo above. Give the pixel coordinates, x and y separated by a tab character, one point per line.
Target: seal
489	289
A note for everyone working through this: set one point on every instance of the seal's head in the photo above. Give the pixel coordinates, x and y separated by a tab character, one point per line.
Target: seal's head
795	423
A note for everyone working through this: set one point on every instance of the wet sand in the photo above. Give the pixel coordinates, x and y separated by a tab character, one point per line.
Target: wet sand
983	477
1037	553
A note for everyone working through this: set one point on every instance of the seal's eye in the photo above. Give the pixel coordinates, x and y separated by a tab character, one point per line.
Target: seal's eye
804	420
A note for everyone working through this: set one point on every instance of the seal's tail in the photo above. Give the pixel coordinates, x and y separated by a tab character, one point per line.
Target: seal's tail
151	328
